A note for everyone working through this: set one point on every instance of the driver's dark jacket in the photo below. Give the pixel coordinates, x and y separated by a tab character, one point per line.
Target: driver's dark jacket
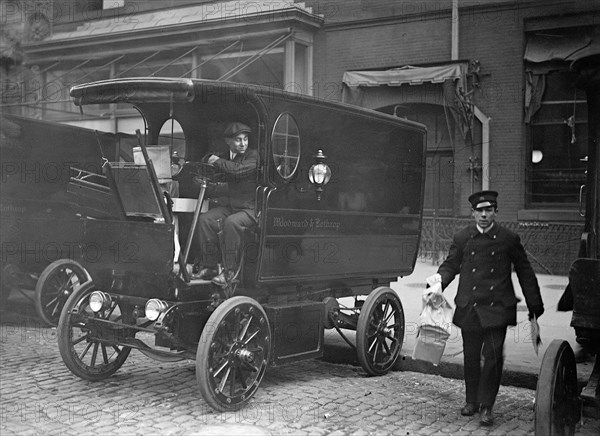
484	262
240	175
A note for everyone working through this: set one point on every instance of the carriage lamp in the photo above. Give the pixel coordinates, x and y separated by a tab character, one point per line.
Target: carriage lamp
99	301
319	173
154	307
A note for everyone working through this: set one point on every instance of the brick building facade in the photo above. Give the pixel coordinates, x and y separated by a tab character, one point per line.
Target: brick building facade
486	77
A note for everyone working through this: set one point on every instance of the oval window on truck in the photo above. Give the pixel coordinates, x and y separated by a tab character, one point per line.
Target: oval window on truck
285	141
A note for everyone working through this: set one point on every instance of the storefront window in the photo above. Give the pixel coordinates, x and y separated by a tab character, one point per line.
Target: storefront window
266	71
558	143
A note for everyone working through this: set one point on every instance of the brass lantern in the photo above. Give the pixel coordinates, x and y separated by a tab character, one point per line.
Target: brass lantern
319	173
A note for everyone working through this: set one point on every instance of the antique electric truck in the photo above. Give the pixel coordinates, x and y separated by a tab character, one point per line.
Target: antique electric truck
339	200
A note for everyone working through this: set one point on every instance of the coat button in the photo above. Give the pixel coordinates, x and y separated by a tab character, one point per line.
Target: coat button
474	304
472	253
493	252
474	287
474	269
491	288
492	270
492	303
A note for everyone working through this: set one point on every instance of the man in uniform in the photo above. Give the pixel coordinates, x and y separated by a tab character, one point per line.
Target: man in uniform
484	254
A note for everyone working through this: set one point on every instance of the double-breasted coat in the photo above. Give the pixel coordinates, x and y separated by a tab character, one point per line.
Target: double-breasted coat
484	262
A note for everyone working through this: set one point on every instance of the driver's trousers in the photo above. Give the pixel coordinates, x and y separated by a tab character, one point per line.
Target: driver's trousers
234	224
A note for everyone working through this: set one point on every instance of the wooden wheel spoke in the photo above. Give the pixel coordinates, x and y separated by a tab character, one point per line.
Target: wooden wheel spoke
376	352
80	339
245	327
224	365
385	345
373	344
94	354
251	337
223	382
238	370
391	314
104	354
84	352
51	302
251	367
61	285
385	309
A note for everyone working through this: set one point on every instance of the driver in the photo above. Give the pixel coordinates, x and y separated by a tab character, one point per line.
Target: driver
236	207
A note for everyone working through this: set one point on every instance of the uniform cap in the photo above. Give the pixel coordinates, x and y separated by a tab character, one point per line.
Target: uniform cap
234	129
483	199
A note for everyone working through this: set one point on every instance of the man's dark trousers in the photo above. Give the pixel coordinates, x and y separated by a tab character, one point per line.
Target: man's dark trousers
482	383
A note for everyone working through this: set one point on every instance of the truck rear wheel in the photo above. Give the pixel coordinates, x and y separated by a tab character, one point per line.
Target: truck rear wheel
380	331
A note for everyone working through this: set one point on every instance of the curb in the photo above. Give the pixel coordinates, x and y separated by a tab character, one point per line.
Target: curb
341	353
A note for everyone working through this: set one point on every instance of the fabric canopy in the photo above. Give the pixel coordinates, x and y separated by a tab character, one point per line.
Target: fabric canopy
440	85
405	75
547	47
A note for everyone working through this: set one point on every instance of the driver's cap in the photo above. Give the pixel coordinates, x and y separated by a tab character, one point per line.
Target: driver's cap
234	129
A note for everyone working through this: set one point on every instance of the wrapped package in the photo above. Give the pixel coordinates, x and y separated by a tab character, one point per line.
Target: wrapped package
434	326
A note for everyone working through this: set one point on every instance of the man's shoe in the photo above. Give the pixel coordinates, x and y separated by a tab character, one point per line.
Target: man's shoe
223	279
469	409
485	416
205	274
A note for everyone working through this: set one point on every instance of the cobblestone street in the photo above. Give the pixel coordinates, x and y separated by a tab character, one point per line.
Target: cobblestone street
40	396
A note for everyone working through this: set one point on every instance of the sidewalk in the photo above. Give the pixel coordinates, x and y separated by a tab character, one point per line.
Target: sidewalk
521	366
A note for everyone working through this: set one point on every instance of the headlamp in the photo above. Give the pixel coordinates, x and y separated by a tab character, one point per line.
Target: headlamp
99	301
154	308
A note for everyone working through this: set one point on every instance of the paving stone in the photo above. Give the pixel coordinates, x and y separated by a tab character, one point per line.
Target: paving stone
40	396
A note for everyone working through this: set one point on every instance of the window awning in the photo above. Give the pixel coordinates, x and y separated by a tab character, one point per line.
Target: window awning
407	75
439	84
548	47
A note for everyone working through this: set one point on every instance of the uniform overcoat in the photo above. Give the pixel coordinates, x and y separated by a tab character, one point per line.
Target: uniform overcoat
484	262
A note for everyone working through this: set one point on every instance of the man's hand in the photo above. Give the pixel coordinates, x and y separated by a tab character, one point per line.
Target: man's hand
212	159
432	280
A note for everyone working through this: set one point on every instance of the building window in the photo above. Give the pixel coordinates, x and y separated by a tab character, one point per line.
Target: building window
557	143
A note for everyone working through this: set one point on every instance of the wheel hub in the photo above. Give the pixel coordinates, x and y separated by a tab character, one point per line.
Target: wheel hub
245	355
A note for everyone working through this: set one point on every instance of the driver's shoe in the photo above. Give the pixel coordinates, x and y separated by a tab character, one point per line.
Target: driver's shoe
205	274
223	279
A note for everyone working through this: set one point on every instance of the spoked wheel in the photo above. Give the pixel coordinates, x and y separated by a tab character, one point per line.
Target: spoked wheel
380	331
56	283
78	337
233	353
556	400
